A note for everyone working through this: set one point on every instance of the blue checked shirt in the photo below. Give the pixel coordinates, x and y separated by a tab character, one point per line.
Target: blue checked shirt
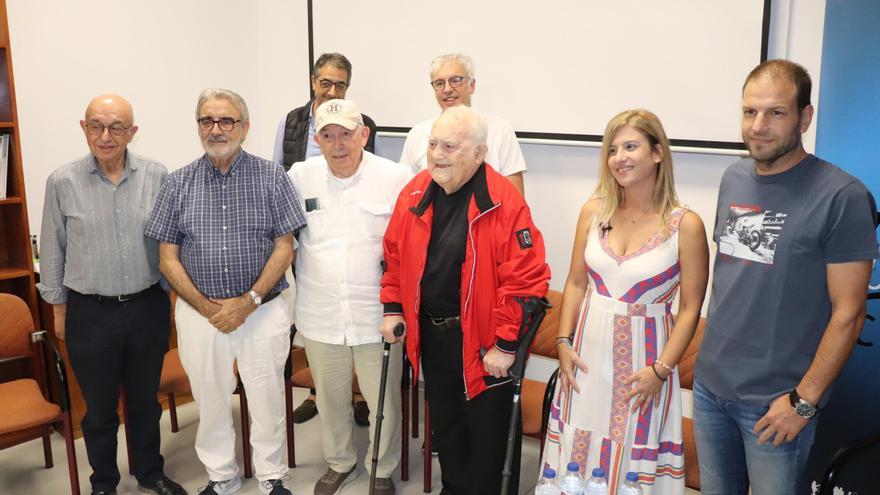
226	225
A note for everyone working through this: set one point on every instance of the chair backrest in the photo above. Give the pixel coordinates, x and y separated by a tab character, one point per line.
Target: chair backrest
544	343
689	359
16	323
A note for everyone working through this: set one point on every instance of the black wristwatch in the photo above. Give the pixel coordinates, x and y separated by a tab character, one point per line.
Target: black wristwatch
801	407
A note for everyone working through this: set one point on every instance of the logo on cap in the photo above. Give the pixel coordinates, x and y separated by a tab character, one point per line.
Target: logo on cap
334	108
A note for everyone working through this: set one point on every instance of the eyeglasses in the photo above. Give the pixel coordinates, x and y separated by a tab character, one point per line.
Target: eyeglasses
454	81
341	86
225	123
97	129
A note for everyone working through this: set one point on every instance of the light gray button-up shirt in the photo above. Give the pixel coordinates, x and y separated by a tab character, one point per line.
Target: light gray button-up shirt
93	231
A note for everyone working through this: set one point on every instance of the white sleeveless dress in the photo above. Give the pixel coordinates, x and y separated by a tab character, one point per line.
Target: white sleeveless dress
623	325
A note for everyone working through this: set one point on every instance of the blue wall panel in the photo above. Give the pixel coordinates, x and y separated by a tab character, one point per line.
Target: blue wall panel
848	135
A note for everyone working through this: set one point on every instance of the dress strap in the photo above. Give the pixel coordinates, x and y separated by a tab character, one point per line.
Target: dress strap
675	218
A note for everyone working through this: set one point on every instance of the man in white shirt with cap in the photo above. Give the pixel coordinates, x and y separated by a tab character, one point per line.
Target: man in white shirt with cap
348	195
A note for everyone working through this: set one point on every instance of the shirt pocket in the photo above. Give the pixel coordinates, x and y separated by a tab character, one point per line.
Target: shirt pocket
319	225
374	217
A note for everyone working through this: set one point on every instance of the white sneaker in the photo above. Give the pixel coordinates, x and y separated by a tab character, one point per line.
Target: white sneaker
227	487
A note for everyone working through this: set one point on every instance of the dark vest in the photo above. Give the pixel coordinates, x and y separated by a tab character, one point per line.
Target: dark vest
296	132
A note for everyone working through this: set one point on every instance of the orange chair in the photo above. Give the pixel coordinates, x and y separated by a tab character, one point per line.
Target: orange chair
24	403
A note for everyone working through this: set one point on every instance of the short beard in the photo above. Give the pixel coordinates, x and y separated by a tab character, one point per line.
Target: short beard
771	159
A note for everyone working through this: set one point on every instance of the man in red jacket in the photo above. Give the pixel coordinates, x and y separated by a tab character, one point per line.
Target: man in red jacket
460	251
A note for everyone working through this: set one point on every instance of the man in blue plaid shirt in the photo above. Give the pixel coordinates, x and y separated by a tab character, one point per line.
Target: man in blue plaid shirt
225	224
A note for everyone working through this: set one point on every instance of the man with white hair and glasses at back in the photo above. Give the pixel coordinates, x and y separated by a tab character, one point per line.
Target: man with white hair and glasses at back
453	82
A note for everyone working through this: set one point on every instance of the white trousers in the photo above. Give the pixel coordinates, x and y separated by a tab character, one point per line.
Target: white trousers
331	368
260	348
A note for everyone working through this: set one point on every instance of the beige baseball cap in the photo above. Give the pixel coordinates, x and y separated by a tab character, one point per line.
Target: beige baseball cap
340	112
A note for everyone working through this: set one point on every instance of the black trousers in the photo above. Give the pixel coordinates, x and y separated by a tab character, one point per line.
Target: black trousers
470	435
112	345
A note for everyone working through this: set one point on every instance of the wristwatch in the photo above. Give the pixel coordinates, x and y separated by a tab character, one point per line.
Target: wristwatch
801	407
255	297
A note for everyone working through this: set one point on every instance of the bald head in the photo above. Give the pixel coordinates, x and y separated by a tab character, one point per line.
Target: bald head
469	121
111	103
109	127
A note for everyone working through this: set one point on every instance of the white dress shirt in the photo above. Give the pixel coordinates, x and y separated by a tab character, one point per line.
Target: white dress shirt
338	262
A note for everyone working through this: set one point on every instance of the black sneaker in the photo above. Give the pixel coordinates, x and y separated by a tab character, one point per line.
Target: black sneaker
274	487
225	487
161	486
103	492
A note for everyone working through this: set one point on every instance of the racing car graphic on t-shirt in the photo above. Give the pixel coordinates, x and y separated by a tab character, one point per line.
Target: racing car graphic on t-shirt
751	233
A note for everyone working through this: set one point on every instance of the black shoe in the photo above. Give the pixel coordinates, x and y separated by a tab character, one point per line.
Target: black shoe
274	487
161	486
225	487
361	413
104	492
306	411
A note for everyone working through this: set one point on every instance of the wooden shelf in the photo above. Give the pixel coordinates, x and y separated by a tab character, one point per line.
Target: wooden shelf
16	275
16	272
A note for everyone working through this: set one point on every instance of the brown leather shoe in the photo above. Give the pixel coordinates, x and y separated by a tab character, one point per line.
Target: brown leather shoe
384	486
331	482
306	411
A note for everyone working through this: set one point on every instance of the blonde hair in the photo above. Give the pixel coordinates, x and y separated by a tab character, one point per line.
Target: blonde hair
664	199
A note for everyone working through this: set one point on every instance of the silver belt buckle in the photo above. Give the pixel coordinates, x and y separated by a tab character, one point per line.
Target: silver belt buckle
123	298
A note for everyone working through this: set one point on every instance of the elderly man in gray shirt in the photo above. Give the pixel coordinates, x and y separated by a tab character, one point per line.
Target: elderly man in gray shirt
101	274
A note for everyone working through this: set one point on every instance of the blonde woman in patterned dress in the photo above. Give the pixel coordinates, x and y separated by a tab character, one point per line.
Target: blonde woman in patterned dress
619	405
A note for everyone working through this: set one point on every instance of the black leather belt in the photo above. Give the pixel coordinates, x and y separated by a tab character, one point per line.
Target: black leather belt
121	298
269	297
444	324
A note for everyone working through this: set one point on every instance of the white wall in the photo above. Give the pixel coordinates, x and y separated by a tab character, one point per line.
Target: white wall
159	54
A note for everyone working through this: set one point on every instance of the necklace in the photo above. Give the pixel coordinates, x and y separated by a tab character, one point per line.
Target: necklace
635	219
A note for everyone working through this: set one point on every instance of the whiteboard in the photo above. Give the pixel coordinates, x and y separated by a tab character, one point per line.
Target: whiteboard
555	68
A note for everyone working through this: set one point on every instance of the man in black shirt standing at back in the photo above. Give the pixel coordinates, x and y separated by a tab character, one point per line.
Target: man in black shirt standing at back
295	138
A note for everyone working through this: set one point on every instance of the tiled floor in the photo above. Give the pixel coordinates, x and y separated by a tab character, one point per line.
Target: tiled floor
22	471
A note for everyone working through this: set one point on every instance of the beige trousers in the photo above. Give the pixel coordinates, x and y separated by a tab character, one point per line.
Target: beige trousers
331	367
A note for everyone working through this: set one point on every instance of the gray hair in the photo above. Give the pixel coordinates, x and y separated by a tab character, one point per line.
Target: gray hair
464	60
475	124
224	94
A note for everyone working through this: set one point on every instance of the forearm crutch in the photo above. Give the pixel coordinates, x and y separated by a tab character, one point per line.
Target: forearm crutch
533	310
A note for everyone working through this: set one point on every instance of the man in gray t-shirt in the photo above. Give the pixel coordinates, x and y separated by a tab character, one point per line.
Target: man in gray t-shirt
795	239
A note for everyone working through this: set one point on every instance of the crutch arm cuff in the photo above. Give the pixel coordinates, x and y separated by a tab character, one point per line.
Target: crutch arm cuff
506	346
